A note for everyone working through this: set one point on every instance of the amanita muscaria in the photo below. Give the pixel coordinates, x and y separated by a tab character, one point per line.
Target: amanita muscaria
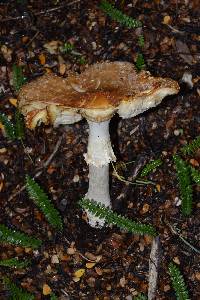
96	94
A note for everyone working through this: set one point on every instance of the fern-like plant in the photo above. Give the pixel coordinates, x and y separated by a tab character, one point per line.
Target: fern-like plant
13	130
8	126
191	147
140	63
53	297
116	15
178	282
18	77
195	174
19	125
14	263
16	292
140	297
183	174
141	40
152	165
18	238
111	217
42	201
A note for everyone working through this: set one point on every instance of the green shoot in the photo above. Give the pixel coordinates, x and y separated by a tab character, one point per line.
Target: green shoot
81	60
151	166
185	185
195	174
42	201
17	238
140	297
67	48
18	77
111	217
191	147
17	293
118	16
8	126
14	263
178	282
140	63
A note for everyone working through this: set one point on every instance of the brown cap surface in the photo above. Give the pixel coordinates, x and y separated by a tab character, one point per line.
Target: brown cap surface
97	93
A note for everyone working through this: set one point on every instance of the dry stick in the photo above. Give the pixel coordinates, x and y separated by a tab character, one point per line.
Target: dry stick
153	268
47	162
57	8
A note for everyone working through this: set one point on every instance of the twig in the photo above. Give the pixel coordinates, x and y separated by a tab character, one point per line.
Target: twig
153	268
41	12
29	42
137	181
182	238
57	8
47	162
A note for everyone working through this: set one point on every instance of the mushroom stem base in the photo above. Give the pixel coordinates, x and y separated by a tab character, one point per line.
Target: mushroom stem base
98	191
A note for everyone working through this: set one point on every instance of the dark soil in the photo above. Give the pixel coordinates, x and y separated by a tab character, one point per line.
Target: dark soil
121	265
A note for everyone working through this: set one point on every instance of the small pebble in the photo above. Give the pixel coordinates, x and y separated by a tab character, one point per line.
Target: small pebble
176	260
177	201
197	276
54	259
167	288
76	178
176	132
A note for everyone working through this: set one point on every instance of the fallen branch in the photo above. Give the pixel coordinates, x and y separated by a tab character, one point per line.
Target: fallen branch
153	268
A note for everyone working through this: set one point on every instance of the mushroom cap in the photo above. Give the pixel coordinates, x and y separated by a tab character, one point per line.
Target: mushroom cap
97	93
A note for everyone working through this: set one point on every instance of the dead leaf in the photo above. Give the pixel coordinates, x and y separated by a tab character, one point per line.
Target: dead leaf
7	53
79	273
52	47
46	290
184	52
13	101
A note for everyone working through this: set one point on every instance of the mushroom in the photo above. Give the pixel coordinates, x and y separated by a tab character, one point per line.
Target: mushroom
96	94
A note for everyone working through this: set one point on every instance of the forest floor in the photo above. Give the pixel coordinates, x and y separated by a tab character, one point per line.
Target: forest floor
115	264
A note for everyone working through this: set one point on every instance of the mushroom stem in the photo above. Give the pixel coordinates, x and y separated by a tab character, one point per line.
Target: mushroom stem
99	154
98	191
99	151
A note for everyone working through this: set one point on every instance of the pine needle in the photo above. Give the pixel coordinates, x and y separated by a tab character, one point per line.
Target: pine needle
14	263
8	126
151	166
111	217
191	147
42	201
178	282
17	238
140	297
17	293
183	174
116	15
